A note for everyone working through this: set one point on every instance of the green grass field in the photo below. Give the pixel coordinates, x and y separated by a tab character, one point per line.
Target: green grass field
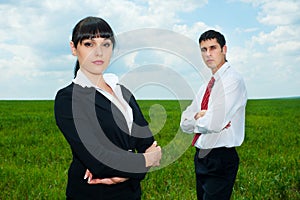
35	156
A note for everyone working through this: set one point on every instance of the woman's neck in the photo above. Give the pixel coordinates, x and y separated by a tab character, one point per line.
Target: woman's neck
98	80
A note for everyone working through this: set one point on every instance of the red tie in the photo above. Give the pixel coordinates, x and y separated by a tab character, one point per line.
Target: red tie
204	103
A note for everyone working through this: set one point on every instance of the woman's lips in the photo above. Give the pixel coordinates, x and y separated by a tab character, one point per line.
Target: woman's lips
98	62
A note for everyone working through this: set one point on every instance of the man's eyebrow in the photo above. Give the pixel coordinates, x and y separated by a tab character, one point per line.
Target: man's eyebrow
211	46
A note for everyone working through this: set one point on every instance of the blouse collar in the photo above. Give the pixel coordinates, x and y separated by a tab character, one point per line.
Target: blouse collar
82	80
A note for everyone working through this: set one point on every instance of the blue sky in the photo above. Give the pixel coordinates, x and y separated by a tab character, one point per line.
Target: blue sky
263	39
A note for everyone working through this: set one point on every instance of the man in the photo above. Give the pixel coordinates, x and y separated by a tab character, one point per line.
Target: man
217	117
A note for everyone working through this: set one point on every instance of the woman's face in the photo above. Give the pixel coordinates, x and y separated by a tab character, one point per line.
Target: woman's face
93	55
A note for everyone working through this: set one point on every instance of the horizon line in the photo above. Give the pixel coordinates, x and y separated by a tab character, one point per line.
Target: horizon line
50	99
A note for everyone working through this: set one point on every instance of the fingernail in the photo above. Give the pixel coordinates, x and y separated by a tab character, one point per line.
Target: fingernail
85	176
155	142
89	180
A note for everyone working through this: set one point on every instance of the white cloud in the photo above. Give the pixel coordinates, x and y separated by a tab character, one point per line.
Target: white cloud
282	12
276	12
269	61
128	15
34	39
193	31
130	61
21	62
281	34
176	5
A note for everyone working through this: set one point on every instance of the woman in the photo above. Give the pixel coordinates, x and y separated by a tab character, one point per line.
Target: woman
111	143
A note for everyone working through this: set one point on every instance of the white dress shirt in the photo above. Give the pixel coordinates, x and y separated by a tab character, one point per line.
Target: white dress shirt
112	80
226	104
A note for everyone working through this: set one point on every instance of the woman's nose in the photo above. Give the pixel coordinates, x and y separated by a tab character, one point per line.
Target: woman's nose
98	51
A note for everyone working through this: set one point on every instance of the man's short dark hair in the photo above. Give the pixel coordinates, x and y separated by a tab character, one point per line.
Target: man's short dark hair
211	34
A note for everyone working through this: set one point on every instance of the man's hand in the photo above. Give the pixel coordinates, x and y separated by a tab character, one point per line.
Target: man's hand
106	181
200	114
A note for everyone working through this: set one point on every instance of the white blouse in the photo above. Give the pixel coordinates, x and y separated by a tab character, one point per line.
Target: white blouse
112	80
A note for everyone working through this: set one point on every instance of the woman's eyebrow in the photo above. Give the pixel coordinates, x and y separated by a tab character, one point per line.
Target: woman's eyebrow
93	38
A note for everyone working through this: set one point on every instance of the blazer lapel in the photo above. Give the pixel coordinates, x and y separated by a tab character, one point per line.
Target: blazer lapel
106	105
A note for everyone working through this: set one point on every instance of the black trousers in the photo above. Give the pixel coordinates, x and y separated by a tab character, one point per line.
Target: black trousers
216	173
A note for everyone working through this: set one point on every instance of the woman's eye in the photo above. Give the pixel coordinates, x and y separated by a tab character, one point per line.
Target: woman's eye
88	44
106	45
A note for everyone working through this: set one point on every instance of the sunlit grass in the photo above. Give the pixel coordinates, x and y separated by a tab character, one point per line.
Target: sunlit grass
35	156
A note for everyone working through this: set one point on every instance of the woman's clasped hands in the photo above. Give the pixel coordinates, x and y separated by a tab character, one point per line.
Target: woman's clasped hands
152	158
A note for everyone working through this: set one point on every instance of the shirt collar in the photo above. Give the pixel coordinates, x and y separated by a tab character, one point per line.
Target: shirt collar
221	70
81	79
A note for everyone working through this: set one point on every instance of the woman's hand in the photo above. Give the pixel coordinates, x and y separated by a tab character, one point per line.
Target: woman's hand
153	155
106	181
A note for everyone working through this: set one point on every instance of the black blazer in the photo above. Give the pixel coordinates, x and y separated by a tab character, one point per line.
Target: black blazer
100	141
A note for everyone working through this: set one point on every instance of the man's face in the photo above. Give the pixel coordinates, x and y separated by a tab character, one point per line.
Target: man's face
212	53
